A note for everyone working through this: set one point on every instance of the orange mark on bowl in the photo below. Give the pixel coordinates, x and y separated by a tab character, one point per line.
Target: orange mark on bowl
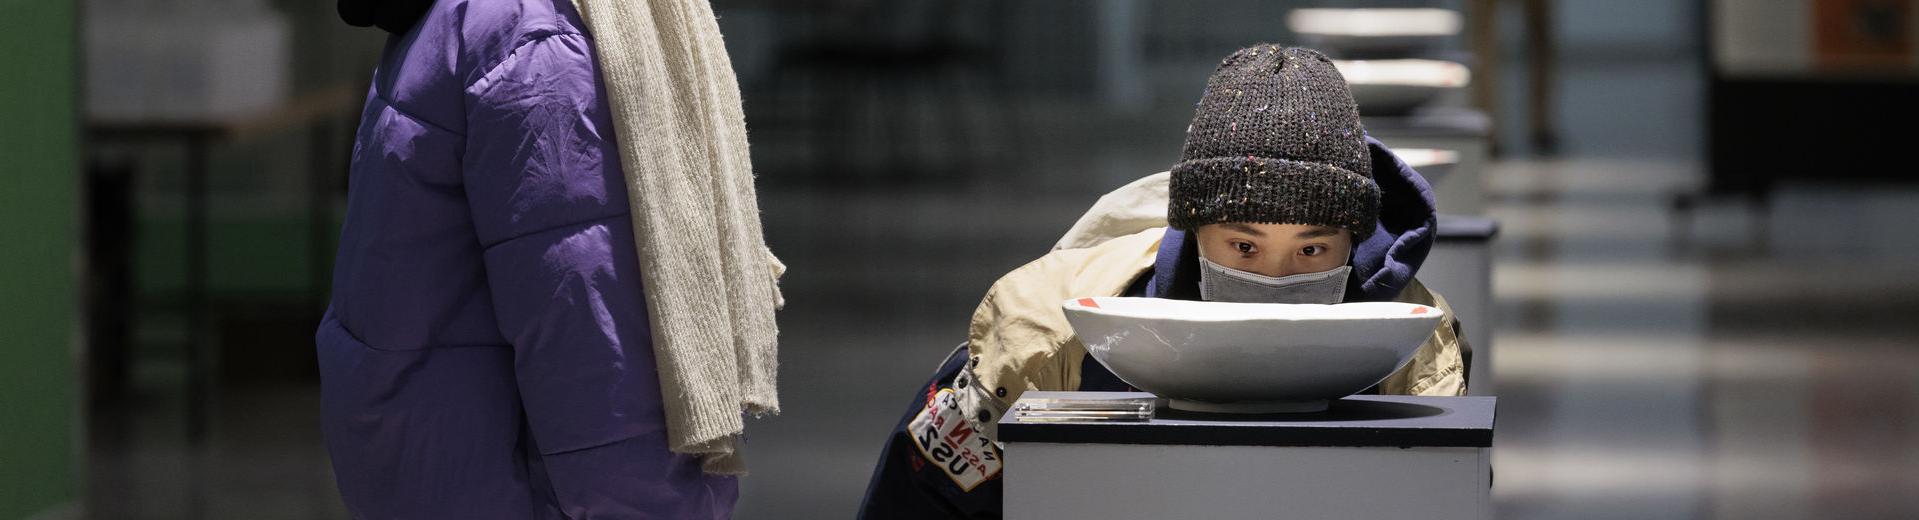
1421	310
1088	302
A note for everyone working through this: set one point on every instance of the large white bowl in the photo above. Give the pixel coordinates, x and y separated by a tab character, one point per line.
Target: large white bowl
1249	357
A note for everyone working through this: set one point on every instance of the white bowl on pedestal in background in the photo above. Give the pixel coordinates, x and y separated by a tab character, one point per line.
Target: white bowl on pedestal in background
1432	163
1374	31
1391	87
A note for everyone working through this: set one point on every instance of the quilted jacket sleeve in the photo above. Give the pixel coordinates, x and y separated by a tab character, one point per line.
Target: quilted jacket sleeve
549	205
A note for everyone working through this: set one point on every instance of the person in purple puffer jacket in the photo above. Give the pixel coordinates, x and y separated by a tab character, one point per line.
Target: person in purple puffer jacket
486	352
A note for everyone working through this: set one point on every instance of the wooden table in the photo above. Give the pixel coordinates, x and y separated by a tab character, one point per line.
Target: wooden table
316	111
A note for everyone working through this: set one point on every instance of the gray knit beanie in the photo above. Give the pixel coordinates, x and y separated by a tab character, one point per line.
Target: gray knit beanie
1276	139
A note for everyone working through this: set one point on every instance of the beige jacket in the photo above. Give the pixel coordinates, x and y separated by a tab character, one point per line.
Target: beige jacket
1019	339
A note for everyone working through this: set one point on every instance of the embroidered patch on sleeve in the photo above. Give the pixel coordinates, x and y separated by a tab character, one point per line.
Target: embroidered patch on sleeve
949	441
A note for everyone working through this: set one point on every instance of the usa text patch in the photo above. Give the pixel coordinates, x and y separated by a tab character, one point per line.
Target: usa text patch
949	441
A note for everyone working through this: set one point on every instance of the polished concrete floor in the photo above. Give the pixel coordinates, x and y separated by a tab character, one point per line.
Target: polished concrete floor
1728	363
1735	365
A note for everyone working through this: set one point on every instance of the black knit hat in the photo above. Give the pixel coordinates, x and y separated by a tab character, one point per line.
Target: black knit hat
1276	139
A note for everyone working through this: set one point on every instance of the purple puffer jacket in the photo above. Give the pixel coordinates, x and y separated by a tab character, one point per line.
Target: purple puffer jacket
487	352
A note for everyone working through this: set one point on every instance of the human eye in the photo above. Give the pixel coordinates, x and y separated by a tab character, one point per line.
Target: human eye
1245	248
1312	250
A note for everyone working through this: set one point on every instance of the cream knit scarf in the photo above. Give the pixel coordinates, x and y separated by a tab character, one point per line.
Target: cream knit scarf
710	279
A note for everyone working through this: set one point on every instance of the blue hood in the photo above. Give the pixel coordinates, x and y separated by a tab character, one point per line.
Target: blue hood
1383	265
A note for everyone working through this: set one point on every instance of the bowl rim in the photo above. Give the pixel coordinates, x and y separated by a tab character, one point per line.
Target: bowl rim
1090	305
1376	22
1405	72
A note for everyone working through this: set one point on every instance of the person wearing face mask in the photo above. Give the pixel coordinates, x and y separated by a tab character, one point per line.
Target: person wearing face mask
1279	197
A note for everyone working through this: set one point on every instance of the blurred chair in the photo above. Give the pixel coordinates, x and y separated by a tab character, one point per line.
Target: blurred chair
1460	267
320	113
108	277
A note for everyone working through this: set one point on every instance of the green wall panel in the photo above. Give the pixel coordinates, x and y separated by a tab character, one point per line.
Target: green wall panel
38	240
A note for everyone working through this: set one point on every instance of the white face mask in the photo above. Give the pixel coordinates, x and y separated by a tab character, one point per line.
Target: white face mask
1219	283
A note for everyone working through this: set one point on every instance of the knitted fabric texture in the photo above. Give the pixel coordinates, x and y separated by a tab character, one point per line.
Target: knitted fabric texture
1276	139
710	279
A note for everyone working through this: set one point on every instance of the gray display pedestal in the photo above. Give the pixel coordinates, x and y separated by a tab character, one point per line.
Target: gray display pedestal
1461	190
1366	457
1460	269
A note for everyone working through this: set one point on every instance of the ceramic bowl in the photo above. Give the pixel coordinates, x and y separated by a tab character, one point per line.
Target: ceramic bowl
1432	163
1374	31
1249	357
1391	87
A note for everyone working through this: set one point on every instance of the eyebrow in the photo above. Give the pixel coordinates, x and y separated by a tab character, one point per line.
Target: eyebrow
1235	226
1318	232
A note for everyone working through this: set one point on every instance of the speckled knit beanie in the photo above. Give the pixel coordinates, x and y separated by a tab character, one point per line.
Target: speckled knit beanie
1276	139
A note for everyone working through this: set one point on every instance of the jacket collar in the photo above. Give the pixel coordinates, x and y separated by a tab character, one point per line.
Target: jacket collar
393	16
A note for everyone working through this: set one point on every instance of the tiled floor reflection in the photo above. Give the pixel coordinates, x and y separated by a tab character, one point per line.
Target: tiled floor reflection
1768	371
262	459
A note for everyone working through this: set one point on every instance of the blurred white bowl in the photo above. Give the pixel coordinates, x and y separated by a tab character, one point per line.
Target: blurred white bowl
1374	21
1374	30
1249	357
1383	87
1432	163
